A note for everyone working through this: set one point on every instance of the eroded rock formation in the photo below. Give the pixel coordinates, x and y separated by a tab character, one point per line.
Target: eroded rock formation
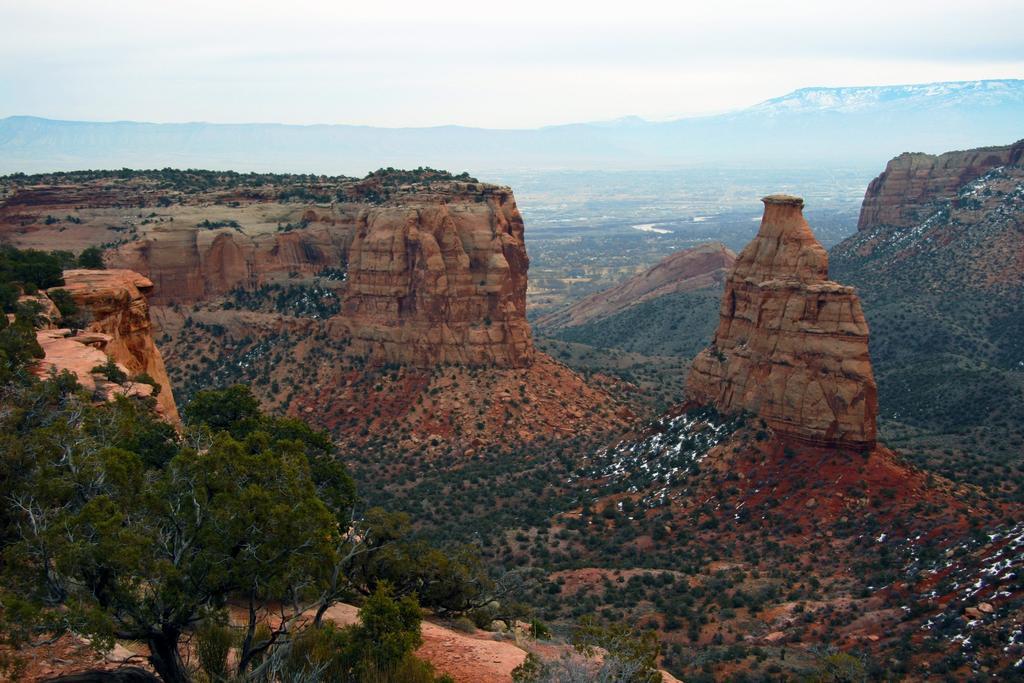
687	270
428	273
902	194
791	345
341	276
118	327
435	282
189	265
82	352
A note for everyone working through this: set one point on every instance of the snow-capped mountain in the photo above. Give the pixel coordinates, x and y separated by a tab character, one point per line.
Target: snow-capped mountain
860	99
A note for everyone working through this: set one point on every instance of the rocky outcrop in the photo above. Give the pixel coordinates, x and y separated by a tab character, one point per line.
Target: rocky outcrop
901	195
441	279
421	269
701	267
791	345
960	233
428	272
118	327
80	353
945	298
48	315
430	268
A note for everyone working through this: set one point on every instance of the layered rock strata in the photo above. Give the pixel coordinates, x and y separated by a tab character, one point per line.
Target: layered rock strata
426	268
119	327
902	194
791	345
196	264
80	353
435	282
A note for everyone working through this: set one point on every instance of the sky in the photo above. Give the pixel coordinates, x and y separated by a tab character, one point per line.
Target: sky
513	64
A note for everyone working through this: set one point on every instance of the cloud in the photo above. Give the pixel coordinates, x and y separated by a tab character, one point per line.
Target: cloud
498	65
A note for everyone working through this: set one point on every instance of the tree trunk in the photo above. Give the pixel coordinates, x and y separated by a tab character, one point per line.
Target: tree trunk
165	658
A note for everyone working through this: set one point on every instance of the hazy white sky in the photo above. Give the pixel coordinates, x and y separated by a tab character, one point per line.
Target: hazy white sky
517	63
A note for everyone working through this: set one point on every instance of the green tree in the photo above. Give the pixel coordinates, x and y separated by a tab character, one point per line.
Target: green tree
130	550
144	553
92	258
377	649
115	526
234	410
111	371
389	629
64	302
18	345
30	268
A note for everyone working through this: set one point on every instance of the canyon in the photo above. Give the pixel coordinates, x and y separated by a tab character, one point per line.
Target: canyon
938	262
390	310
339	283
777	440
928	222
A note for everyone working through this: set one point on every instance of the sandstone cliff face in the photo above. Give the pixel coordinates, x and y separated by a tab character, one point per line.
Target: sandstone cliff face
900	196
119	327
960	232
341	277
435	282
945	299
687	270
431	273
189	265
791	345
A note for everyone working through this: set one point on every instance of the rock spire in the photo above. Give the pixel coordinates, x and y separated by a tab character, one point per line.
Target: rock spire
791	345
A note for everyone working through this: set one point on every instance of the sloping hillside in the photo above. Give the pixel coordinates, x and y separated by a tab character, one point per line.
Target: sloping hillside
644	330
702	267
939	263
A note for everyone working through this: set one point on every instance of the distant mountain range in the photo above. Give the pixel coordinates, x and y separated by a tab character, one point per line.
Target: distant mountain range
835	127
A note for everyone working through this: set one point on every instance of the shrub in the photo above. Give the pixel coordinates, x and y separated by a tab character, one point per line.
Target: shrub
64	302
213	643
464	624
92	258
212	225
482	617
111	371
325	650
411	669
31	268
146	378
539	630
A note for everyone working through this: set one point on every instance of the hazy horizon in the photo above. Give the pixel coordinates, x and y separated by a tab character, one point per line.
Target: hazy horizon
619	119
